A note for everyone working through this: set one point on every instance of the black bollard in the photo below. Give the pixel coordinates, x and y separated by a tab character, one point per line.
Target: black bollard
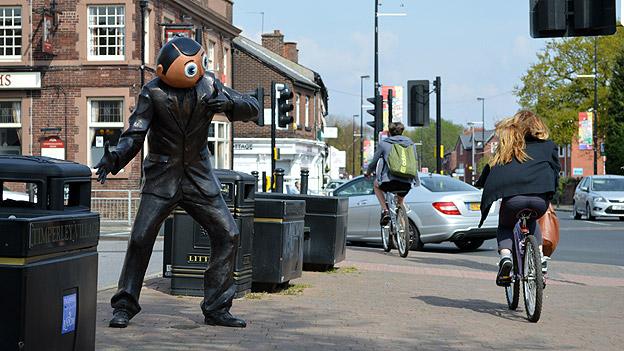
279	181
255	175
264	182
304	181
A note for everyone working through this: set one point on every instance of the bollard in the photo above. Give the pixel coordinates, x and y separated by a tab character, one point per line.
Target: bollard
304	181
264	182
255	175
279	181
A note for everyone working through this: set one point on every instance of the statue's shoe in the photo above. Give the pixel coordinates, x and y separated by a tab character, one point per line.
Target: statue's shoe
224	319
121	318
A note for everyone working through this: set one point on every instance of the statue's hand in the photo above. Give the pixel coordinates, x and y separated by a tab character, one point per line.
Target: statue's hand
219	104
106	164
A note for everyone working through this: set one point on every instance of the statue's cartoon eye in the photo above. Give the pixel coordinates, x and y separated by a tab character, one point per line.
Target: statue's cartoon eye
205	62
190	70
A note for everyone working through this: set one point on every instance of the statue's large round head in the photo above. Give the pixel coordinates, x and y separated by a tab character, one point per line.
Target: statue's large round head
181	62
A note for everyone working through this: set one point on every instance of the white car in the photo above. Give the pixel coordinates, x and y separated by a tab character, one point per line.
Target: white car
599	196
441	209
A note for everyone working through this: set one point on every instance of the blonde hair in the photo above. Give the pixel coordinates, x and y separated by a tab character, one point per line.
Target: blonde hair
512	133
531	125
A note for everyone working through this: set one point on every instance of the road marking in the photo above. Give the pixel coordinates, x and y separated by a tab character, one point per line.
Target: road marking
598	223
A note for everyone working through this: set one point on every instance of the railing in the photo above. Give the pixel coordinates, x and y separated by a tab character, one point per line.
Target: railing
115	205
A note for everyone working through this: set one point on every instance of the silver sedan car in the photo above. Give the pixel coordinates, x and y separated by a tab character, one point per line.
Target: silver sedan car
599	196
441	209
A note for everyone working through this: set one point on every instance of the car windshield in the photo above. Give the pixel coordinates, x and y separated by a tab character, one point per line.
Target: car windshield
608	184
444	184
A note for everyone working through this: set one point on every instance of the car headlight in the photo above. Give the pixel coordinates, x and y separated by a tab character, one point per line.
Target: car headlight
600	199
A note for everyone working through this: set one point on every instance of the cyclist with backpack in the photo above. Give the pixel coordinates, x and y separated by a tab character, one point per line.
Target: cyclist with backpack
396	168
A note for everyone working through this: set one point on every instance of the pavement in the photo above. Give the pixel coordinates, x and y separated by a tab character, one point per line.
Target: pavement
432	300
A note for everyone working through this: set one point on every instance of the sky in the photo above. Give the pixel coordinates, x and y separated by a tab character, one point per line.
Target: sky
479	48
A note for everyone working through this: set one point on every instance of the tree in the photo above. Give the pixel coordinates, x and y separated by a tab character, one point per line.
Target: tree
614	137
427	136
345	141
550	88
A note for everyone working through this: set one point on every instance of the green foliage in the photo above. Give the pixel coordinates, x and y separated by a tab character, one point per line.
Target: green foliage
345	141
550	88
482	162
614	137
427	135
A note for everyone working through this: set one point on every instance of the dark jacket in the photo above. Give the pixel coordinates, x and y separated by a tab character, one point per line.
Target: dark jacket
382	153
178	135
539	175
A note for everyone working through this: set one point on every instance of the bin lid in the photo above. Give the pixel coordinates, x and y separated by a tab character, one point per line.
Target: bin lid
314	203
227	174
38	167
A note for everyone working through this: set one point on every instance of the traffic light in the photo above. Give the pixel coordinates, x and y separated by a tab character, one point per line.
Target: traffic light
259	95
572	18
283	94
418	103
377	122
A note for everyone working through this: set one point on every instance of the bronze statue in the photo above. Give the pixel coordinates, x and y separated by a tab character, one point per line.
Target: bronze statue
177	108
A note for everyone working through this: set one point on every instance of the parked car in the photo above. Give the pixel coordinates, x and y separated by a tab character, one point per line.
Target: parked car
333	185
599	196
442	209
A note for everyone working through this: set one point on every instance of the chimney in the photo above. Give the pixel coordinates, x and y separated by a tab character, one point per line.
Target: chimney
291	52
274	42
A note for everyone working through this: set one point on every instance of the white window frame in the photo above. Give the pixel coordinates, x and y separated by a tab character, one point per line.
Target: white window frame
146	36
298	109
307	112
93	125
13	58
91	56
221	156
225	64
15	125
211	55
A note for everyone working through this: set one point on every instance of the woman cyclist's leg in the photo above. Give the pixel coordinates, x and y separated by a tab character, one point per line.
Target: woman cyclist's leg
504	235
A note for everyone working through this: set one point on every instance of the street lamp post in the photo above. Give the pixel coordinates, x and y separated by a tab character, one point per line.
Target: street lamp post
353	145
472	173
482	121
362	121
595	127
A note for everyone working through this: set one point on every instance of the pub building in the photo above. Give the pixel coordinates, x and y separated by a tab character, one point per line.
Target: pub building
70	72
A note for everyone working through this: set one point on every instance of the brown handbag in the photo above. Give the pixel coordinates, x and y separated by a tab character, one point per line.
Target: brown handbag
549	224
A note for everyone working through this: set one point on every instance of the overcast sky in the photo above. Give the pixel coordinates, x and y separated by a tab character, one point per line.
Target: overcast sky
478	47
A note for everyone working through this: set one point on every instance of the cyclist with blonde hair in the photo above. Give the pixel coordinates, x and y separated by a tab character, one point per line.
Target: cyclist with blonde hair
524	173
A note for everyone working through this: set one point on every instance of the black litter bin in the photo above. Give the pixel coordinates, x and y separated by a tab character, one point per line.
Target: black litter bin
326	216
48	255
187	245
278	240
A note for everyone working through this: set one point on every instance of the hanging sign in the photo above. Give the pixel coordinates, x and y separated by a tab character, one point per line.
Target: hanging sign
53	147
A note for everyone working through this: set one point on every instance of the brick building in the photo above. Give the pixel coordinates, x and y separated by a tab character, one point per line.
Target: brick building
300	144
458	162
74	73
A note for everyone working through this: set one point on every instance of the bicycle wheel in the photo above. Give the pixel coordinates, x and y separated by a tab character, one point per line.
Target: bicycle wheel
512	292
402	231
386	242
533	280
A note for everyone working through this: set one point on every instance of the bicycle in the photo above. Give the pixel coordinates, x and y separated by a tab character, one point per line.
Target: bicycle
527	268
397	231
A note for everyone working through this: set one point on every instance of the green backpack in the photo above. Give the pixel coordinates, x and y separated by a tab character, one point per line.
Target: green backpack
402	161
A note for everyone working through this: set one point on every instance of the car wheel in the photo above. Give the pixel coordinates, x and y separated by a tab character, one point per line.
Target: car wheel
588	213
468	245
417	244
577	215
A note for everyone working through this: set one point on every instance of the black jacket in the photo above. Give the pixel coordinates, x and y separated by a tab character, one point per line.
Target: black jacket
178	135
539	175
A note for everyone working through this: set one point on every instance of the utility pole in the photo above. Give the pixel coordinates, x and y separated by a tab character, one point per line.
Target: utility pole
378	113
482	122
438	89
353	144
595	121
362	121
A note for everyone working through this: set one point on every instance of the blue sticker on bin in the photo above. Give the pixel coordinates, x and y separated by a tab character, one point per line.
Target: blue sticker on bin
69	313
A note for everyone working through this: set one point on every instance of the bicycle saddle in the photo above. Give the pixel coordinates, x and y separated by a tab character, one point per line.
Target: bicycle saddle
526	213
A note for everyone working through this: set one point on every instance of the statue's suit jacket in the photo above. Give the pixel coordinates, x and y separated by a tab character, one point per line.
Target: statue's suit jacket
178	135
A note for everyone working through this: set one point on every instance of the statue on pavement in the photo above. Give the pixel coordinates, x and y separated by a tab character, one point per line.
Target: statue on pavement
177	108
